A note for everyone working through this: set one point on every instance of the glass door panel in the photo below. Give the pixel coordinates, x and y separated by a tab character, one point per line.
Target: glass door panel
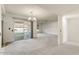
22	30
19	31
27	30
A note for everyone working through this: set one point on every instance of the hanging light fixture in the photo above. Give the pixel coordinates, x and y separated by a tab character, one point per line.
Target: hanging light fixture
32	17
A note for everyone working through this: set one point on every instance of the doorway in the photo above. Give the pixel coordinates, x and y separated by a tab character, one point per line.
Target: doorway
71	29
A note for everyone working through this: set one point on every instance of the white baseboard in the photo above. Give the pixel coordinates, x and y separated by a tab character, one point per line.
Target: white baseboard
52	33
71	43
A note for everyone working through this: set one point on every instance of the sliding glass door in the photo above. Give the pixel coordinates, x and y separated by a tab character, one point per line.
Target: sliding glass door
22	30
27	30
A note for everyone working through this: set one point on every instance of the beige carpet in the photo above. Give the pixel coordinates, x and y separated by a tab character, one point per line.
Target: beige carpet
46	45
30	45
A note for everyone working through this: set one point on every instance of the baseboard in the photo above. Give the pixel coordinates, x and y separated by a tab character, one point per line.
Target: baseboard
52	33
71	43
7	43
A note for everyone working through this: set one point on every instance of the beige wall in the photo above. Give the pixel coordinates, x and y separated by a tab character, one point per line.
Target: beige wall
73	29
0	27
50	27
8	35
60	30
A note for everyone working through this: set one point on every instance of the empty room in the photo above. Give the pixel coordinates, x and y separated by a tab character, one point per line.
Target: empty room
39	29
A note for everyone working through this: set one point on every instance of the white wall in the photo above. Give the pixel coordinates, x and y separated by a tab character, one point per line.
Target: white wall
8	35
49	27
70	33
73	29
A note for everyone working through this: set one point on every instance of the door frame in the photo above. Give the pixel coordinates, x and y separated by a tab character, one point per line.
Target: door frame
64	29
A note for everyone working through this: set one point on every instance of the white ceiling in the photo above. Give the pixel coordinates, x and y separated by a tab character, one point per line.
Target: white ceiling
41	11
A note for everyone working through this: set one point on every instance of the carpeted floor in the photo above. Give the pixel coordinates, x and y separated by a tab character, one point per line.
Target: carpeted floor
46	45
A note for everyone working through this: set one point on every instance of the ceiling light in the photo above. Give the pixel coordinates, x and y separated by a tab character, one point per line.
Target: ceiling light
32	17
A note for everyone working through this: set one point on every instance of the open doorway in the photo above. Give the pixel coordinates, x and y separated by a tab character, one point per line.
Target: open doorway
70	29
47	29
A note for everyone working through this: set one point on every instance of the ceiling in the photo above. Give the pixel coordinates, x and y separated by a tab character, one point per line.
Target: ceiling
41	11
